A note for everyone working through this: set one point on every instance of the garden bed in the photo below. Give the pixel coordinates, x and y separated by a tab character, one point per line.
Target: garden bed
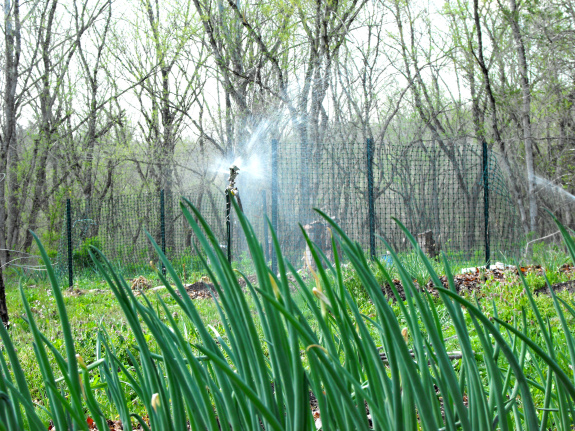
473	282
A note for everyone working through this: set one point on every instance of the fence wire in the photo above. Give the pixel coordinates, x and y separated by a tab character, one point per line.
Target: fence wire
427	186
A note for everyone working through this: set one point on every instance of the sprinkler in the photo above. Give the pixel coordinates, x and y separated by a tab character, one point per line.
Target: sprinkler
231	190
234	172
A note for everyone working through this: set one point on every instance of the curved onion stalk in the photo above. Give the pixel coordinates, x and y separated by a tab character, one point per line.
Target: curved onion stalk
258	370
479	406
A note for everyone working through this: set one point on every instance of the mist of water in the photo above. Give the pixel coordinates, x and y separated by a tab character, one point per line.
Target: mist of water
258	135
251	166
550	186
249	157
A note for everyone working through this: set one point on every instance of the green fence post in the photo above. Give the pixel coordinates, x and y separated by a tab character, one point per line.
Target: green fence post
229	225
370	198
264	217
485	166
163	226
69	234
275	191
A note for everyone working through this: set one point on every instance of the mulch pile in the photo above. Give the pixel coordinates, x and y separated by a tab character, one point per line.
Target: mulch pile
204	289
569	285
199	290
253	279
472	282
463	282
141	283
117	425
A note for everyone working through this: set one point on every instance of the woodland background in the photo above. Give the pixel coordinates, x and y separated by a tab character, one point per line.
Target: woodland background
103	98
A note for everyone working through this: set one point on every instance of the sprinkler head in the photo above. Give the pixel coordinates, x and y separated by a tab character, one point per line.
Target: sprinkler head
234	171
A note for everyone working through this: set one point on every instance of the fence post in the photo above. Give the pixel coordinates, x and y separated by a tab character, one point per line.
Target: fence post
485	166
163	226
264	218
69	233
275	191
370	199
228	226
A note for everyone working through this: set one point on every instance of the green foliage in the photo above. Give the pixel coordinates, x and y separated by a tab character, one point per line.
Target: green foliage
415	267
51	253
254	365
354	285
551	257
51	236
81	255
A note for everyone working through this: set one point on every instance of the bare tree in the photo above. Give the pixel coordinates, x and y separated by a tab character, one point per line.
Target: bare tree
512	16
13	46
54	62
94	125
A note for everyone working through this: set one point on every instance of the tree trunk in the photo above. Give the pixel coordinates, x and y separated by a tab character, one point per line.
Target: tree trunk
12	40
3	306
494	120
525	114
39	198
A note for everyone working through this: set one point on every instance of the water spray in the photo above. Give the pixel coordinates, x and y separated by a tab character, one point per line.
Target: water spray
549	185
231	190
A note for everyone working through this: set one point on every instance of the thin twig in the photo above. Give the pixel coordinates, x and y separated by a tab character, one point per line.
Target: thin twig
539	239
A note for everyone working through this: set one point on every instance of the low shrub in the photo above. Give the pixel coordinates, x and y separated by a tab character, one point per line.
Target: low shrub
81	255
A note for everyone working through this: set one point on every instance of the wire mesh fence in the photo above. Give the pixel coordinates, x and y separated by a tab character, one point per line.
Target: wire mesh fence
433	190
454	198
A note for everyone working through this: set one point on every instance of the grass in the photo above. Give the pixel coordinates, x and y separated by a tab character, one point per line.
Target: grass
88	313
251	358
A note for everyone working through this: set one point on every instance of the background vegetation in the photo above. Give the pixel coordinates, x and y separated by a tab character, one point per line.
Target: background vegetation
101	98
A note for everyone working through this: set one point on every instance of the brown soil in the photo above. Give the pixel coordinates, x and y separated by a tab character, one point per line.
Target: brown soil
253	279
569	286
199	290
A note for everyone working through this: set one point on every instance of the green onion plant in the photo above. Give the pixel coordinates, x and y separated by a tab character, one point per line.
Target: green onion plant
262	369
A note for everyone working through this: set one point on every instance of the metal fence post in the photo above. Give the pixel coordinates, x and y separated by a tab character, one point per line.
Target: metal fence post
275	191
370	198
163	226
69	234
228	225
485	166
264	214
